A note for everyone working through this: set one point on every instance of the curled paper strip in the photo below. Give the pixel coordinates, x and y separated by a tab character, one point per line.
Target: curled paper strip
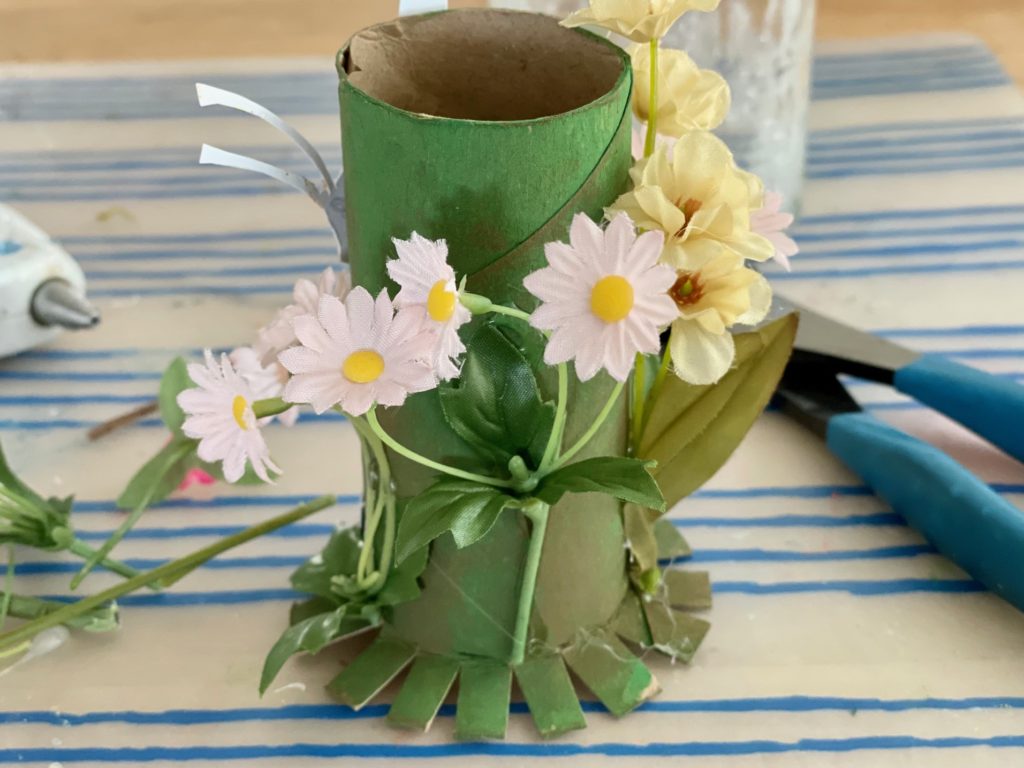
215	156
328	194
209	95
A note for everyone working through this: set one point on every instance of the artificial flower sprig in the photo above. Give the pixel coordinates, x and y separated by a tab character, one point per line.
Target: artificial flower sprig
715	217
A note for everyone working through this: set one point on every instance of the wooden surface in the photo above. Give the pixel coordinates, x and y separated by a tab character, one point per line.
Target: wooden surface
91	30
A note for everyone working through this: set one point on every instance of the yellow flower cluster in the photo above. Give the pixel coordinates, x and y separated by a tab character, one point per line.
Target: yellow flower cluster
695	194
639	20
690	189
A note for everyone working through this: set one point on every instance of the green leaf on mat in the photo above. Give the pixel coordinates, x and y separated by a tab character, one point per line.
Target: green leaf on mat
13	484
160	476
496	405
174	381
309	635
693	430
465	508
307	608
623	478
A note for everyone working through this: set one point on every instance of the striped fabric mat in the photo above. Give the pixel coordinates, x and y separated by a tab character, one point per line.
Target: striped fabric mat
839	637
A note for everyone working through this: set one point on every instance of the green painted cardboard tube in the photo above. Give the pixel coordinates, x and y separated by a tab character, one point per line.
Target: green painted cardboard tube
490	129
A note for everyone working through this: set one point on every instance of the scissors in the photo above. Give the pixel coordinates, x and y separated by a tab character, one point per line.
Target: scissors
959	514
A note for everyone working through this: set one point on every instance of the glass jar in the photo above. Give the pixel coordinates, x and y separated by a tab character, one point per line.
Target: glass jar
763	49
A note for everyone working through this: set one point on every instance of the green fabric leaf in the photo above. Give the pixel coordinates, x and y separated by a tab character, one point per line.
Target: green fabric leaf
174	381
13	483
693	430
338	557
472	528
306	608
309	635
403	582
623	478
496	404
160	476
465	508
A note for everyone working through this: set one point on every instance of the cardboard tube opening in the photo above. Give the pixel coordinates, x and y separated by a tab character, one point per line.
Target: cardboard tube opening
481	65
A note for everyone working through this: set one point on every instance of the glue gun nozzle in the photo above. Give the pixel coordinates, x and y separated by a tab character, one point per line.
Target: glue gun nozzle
57	303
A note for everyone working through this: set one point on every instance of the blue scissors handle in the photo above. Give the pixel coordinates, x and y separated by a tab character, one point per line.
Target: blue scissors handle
958	513
990	406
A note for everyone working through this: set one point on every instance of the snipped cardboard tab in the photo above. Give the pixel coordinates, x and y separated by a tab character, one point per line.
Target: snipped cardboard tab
481	64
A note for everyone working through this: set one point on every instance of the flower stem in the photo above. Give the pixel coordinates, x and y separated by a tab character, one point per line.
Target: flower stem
601	418
272	406
96	557
659	382
481	305
636	419
537	513
500	309
166	574
558	428
27	607
401	450
83	550
5	604
652	111
383	503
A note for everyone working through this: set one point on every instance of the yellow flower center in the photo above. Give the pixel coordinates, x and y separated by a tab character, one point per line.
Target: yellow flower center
363	366
239	406
440	302
611	298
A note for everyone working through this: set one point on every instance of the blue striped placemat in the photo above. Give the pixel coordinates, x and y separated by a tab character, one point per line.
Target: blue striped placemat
840	638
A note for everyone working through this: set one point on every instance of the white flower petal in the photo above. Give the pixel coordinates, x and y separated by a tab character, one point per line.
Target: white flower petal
566	295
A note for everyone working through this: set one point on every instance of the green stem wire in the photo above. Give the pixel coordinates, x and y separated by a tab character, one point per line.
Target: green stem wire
586	437
126	525
650	142
537	513
401	450
558	428
166	574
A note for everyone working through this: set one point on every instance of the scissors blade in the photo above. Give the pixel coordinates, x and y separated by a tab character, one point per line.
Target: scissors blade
852	350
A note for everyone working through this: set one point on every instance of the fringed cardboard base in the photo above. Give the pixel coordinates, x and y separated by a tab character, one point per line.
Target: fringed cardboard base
602	658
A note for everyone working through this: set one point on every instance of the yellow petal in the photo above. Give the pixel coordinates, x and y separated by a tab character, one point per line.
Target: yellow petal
760	302
650	209
700	356
689	98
